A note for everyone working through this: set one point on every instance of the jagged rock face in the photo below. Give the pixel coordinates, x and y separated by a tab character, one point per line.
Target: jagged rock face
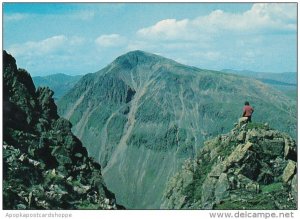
143	115
44	165
234	172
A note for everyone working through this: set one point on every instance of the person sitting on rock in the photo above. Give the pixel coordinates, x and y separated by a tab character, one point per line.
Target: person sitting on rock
248	111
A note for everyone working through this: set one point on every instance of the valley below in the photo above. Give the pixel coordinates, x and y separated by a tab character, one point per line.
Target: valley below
143	115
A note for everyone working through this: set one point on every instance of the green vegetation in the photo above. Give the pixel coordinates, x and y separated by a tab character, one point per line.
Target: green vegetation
155	139
193	191
274	187
87	205
115	128
291	93
255	125
273	196
259	202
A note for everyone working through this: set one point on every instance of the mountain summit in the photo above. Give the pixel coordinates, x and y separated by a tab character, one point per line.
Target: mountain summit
143	115
138	57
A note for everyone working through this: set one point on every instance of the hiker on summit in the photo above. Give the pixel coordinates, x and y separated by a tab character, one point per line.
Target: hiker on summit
248	111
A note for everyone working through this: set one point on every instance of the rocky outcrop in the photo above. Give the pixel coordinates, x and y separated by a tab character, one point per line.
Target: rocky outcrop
252	167
44	165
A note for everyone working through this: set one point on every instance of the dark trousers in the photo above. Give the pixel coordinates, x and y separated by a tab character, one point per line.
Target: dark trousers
249	119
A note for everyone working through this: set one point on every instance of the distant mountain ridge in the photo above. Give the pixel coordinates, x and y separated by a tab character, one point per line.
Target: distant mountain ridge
285	82
60	83
284	77
143	115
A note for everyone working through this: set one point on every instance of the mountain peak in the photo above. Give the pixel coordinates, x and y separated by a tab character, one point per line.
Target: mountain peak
136	57
138	53
147	110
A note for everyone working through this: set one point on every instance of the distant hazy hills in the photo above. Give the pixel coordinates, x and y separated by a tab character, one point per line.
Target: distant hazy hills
285	82
143	115
59	83
285	77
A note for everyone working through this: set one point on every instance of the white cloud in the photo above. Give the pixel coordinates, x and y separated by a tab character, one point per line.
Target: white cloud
281	13
222	38
42	47
53	54
165	29
48	46
111	40
262	17
15	17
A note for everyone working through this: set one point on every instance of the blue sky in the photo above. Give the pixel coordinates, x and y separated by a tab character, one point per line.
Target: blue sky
81	38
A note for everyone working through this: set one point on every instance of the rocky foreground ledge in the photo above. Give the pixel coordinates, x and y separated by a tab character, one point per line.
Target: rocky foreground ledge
44	165
252	167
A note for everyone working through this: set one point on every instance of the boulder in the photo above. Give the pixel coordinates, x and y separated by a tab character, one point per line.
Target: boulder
294	187
208	192
289	151
46	103
21	207
82	189
239	153
250	166
241	136
218	170
289	171
247	184
222	187
273	147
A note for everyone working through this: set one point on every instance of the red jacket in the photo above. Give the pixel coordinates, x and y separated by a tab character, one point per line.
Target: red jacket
247	111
